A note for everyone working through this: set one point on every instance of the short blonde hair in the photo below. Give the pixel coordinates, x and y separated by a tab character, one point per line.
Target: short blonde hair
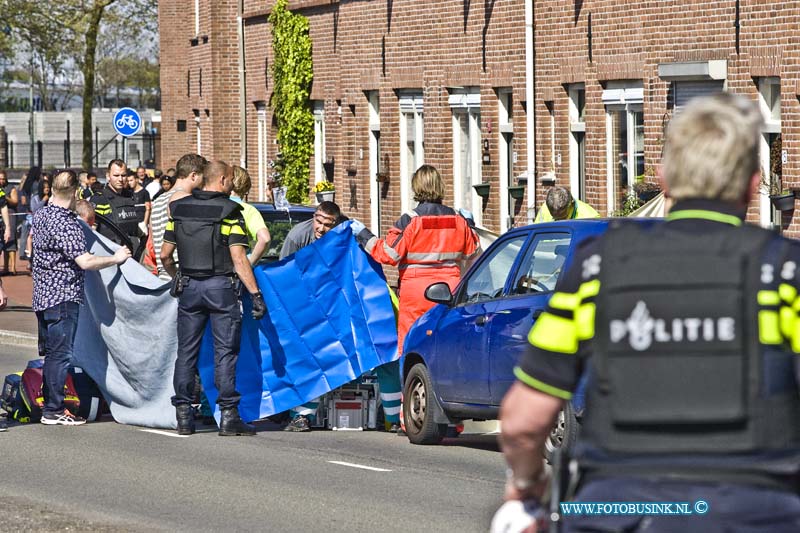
241	182
427	185
711	148
85	210
64	184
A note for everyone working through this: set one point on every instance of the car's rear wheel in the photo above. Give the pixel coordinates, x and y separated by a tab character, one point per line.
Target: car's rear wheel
564	432
418	396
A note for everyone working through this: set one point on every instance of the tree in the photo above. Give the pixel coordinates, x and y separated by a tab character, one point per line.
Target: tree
70	27
293	72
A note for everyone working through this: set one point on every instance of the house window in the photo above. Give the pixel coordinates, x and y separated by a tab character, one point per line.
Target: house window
577	140
373	99
318	107
769	100
412	148
263	163
466	108
624	139
505	125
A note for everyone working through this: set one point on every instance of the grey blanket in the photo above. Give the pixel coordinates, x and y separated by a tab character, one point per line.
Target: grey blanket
126	339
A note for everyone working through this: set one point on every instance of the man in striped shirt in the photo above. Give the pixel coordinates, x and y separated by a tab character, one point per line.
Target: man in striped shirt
189	176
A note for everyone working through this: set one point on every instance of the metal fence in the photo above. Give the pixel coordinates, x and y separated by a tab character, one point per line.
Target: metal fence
136	150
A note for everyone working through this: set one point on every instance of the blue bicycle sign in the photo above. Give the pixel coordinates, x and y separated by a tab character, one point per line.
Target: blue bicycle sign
127	122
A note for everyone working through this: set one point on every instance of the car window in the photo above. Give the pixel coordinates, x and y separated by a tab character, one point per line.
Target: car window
279	223
489	278
542	266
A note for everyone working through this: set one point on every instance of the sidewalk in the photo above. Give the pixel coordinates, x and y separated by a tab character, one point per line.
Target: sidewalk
17	320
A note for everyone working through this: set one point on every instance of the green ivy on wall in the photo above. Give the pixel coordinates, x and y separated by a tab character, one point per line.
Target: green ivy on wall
292	72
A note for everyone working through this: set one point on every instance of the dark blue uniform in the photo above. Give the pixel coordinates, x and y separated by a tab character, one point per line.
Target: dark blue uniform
203	227
689	336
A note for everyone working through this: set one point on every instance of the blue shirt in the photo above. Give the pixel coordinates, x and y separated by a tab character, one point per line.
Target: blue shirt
57	240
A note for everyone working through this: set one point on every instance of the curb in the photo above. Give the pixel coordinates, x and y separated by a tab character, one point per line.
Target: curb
18	338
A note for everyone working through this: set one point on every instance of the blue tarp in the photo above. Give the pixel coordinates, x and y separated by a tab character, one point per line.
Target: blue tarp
329	320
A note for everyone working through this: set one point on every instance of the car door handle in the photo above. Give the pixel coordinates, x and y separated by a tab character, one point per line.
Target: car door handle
536	313
481	320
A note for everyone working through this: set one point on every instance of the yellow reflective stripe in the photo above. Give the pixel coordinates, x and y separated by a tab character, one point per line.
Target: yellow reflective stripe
769	331
540	385
555	334
565	301
226	230
170	225
589	289
796	305
584	321
787	322
768	298
232	230
230	221
787	292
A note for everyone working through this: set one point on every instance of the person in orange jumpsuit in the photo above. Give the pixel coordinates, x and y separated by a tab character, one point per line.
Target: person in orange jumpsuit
427	245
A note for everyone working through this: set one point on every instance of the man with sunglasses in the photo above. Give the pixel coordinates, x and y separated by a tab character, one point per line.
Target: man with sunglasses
325	218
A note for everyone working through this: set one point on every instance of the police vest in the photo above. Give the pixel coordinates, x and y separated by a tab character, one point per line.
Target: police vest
202	248
121	209
679	364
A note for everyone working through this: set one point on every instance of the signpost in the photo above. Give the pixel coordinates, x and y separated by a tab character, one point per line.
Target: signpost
127	123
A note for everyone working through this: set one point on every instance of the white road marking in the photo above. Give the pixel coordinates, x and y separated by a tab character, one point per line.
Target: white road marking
352	465
165	433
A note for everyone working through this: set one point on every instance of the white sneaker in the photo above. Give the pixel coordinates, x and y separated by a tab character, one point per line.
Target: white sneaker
63	419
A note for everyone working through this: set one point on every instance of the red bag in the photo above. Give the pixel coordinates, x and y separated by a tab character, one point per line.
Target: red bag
30	388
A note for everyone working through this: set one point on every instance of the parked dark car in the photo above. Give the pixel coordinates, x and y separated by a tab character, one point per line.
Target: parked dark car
458	358
280	222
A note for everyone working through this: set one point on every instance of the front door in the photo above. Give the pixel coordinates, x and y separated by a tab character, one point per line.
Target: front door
461	368
534	282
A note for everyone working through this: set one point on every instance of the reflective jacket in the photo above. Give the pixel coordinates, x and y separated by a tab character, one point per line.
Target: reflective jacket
432	235
582	210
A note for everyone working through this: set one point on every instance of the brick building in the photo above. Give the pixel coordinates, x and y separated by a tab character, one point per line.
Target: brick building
401	82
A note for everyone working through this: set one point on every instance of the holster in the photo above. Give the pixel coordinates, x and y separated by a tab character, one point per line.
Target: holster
178	284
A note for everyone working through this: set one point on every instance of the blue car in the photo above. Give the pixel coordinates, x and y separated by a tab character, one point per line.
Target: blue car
458	358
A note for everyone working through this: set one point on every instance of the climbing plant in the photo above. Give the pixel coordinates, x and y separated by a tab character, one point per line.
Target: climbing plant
292	72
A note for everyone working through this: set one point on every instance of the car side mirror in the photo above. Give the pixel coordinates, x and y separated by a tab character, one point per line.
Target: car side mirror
439	293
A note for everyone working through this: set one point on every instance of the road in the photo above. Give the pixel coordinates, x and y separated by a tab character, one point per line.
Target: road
106	476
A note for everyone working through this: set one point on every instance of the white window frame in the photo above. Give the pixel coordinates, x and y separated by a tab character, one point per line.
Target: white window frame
771	125
261	145
373	99
196	17
505	134
577	124
197	131
466	103
318	110
411	109
627	97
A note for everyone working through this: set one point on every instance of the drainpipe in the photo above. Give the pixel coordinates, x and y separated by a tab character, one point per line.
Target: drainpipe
530	54
242	88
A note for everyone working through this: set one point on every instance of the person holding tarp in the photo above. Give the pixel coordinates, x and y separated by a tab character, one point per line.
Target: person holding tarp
59	246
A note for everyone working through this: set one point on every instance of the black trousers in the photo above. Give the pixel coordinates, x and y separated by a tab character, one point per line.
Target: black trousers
214	299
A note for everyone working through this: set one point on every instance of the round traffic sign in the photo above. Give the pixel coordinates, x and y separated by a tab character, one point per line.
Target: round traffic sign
127	122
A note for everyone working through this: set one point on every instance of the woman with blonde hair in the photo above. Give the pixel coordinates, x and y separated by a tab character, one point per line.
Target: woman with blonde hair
427	245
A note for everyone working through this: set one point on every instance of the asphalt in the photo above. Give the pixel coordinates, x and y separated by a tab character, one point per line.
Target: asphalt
106	476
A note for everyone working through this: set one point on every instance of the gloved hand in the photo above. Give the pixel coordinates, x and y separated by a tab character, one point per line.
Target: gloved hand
356	226
515	516
259	307
467	214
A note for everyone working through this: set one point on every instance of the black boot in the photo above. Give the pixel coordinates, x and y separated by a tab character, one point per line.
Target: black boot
185	416
231	424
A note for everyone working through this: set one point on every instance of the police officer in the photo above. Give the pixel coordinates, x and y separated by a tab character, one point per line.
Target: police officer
116	202
208	231
688	333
